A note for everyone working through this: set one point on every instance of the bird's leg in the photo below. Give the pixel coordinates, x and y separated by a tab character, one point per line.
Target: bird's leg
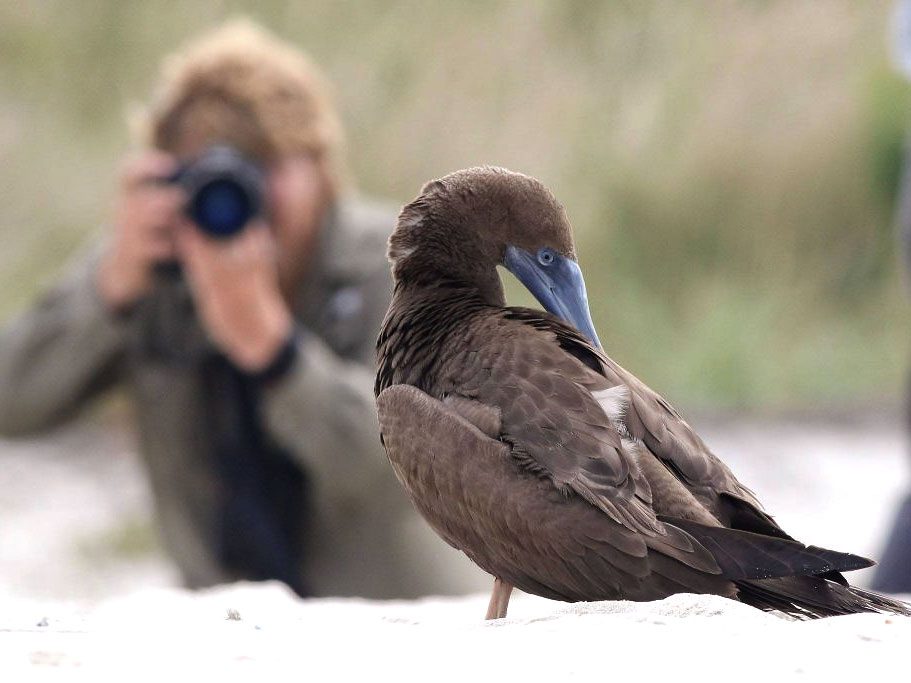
499	599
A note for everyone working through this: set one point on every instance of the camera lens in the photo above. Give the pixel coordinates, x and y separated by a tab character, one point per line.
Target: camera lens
222	207
225	190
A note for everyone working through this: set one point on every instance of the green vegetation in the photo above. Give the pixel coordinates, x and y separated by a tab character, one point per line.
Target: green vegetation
730	166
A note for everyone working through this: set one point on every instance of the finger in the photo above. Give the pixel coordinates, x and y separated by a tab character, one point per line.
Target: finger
208	271
149	216
261	248
187	241
146	167
153	199
159	201
198	251
150	199
261	240
162	250
259	232
248	238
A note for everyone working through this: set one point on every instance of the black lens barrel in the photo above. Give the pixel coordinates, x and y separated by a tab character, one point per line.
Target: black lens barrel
225	191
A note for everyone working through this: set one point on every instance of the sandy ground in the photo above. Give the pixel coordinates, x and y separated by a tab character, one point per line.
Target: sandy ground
81	594
232	633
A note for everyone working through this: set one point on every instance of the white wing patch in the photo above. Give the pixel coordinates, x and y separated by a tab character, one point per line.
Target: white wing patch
614	402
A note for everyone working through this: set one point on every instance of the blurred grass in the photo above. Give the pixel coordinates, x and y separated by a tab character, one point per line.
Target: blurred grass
730	167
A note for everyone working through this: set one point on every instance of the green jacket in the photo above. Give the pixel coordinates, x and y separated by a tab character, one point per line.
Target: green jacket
365	538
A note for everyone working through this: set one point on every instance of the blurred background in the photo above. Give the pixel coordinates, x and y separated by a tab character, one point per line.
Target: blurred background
730	168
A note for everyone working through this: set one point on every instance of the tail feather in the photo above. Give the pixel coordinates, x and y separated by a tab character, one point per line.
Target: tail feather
744	555
812	597
780	574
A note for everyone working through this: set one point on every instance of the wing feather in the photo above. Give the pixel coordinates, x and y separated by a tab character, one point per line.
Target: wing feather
517	525
647	417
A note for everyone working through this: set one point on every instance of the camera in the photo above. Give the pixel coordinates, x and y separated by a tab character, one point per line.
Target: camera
225	190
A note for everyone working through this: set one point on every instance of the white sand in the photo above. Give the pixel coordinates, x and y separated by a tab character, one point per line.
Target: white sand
71	613
186	637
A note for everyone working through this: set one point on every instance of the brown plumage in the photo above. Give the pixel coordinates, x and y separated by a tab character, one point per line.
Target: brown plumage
526	447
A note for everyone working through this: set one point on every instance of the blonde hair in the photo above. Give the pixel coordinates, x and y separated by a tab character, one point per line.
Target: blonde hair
242	86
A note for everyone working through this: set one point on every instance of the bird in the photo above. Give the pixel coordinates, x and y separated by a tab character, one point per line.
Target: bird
526	447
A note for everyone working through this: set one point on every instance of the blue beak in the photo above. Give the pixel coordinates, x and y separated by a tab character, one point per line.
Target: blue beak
558	286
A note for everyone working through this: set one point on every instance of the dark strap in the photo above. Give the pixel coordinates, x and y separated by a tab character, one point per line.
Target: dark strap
265	497
280	365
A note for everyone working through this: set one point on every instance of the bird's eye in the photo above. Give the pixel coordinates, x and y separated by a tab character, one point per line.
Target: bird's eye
545	257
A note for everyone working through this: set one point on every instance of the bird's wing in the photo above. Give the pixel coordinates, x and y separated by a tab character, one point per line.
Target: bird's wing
663	431
564	427
555	426
651	421
608	438
517	525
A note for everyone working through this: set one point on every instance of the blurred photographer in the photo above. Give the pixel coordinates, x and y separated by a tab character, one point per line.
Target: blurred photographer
247	351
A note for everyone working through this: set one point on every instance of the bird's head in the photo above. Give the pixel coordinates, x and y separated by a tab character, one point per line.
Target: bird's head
464	225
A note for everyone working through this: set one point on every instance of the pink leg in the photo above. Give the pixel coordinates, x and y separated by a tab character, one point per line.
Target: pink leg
499	600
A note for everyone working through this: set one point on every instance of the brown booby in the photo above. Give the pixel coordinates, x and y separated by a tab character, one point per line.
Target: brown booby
526	447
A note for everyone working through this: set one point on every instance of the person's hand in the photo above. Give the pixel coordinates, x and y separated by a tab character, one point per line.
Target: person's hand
236	289
145	217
